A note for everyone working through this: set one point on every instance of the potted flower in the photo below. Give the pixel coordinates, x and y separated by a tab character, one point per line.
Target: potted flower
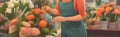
112	12
101	13
118	23
92	20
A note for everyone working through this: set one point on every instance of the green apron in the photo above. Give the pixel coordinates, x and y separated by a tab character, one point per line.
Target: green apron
71	29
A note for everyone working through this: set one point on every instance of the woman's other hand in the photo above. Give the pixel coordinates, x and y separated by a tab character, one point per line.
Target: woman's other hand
59	19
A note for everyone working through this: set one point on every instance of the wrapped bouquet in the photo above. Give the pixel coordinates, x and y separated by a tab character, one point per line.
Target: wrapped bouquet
25	18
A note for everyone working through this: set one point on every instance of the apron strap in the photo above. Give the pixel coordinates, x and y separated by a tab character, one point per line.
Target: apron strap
71	0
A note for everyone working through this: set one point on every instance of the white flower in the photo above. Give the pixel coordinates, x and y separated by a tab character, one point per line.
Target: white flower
11	0
8	10
10	5
31	5
25	1
16	1
51	1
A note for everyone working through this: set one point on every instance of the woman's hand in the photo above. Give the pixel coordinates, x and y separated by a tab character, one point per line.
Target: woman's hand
47	8
50	10
59	19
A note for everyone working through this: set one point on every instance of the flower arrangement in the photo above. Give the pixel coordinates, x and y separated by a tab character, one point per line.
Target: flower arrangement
110	10
91	19
101	13
113	12
24	18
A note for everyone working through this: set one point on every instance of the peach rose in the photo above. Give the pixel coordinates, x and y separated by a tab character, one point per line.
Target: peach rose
35	31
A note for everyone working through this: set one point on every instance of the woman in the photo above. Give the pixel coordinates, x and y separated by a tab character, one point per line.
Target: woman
70	13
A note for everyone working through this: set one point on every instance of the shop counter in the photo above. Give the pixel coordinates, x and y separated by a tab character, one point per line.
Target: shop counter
103	33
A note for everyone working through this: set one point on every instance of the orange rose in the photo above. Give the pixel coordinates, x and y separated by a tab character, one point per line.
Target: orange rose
106	5
26	24
30	31
99	14
14	21
116	11
100	11
108	9
112	3
26	31
117	7
36	10
43	12
30	17
35	31
43	23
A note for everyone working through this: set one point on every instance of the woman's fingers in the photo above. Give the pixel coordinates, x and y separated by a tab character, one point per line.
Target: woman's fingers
59	19
46	8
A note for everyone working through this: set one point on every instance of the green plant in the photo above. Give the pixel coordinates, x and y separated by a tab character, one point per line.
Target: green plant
98	2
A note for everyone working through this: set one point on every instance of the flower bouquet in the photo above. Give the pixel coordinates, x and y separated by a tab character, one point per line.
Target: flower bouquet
91	19
23	18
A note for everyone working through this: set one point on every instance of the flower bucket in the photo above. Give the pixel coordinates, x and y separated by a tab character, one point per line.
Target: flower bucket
112	25
96	26
104	25
118	25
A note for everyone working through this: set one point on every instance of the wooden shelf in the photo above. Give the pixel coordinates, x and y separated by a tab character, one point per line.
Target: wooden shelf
102	30
103	33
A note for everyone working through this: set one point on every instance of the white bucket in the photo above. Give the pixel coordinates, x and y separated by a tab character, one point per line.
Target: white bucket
104	25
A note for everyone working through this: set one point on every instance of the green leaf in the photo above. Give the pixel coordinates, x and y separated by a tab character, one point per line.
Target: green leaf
22	6
53	31
3	8
24	18
45	30
3	22
4	31
12	15
19	24
98	2
9	35
51	34
94	15
42	35
113	18
16	4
